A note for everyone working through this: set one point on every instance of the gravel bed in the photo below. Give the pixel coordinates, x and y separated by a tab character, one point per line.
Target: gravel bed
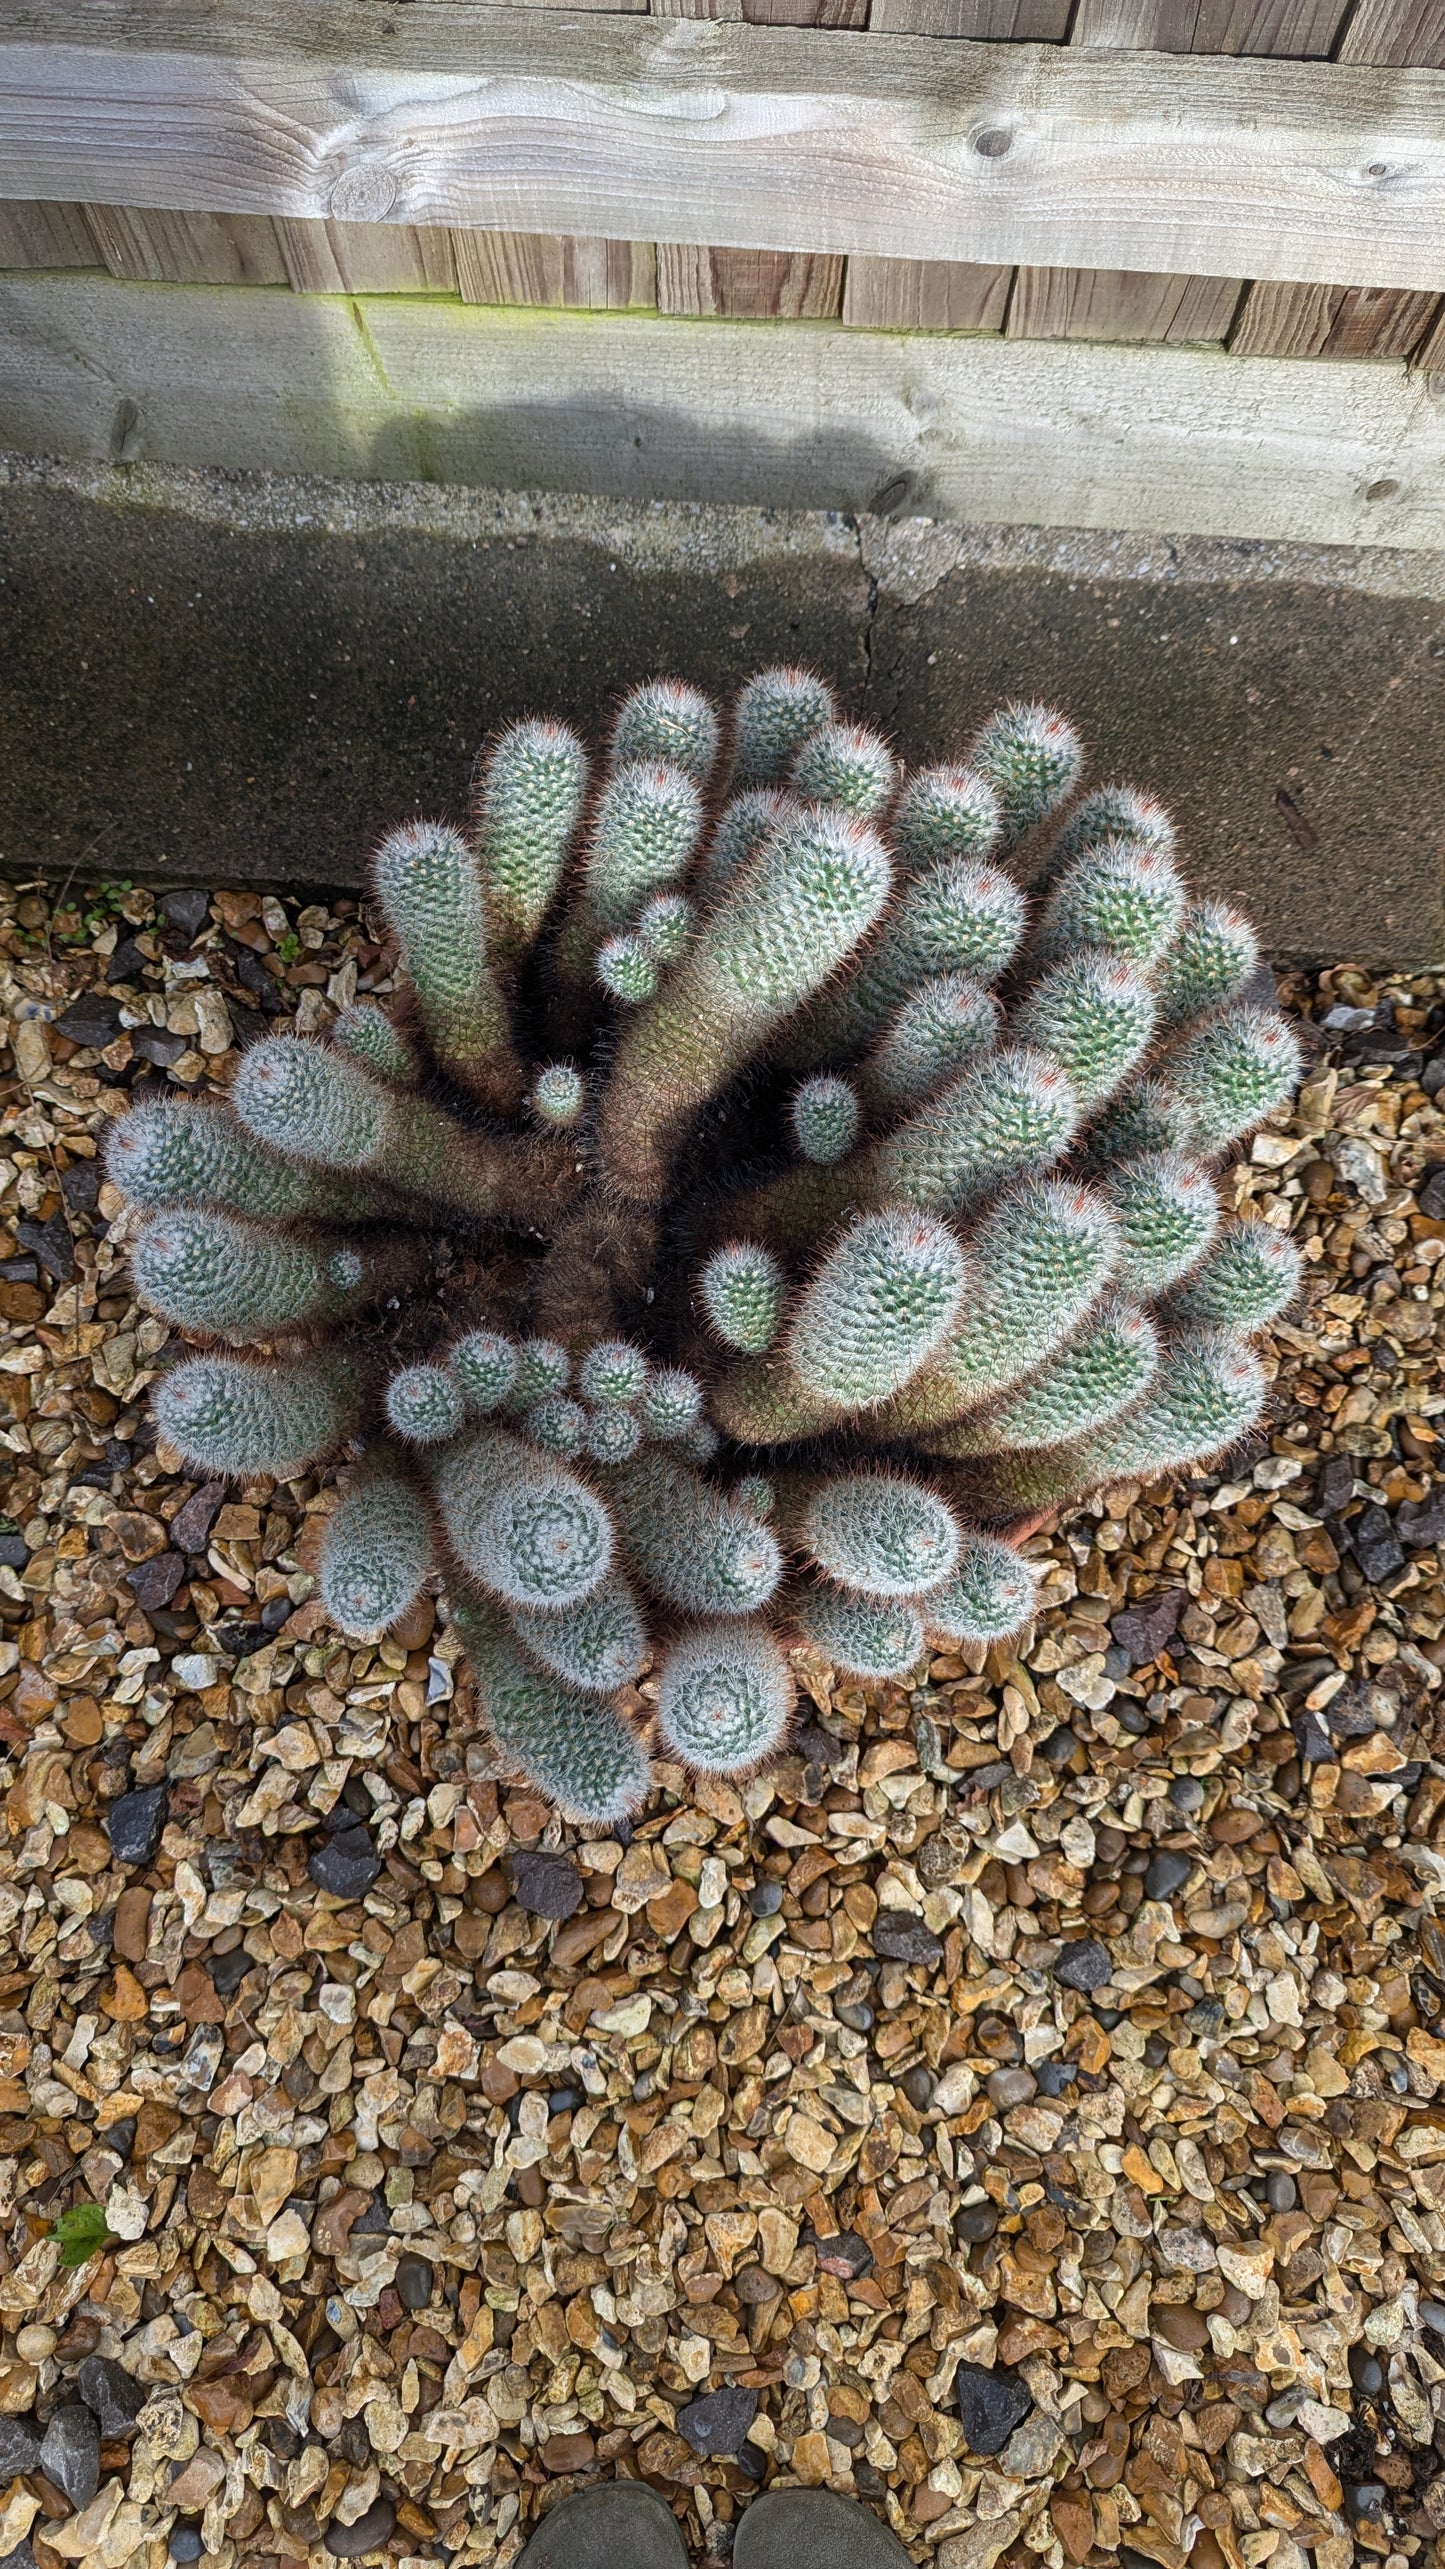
1018	2107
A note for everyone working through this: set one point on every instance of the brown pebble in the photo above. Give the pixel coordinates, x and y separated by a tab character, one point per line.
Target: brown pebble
562	2453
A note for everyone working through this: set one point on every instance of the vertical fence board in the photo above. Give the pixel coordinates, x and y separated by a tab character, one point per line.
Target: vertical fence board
748	285
805	13
1299	30
1398	35
46	236
560	270
924	294
1331	321
367	258
1107	303
153	247
999	22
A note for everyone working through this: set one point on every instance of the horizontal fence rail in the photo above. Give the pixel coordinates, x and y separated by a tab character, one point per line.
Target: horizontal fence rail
691	132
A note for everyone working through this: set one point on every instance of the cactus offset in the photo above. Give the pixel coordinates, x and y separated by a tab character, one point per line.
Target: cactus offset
701	1139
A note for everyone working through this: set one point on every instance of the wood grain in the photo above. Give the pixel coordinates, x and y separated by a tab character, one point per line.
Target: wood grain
151	246
1401	34
1298	30
562	271
748	285
924	294
773	138
367	258
996	22
1166	440
1331	321
47	236
1090	303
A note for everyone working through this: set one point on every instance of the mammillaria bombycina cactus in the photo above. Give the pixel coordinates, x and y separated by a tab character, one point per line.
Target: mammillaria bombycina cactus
755	1207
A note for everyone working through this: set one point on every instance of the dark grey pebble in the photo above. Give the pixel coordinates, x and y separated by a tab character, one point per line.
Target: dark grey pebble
70	2452
92	1020
415	2283
134	1823
845	2255
19	2448
345	1864
1167	1872
1147	1629
900	1938
917	2085
113	2395
991	2403
719	2423
1083	1965
369	2533
766	1898
550	1886
185	2542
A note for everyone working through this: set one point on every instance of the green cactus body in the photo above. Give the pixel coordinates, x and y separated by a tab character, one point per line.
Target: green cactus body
646	829
991	1595
770	942
667	723
558	1423
741	1288
743	826
1110	812
665	925
756	1494
240	1280
1094	1016
846	765
542	1369
376	1550
882	1300
1031	757
776	712
1122	897
1250	1276
696	1549
598	1643
526	802
944	812
613	1435
1208	1392
1230	1072
227	1414
1214	955
520	1522
1103	1370
580	1753
1168	1212
1016	1110
867	1636
377	1043
880	1533
173	1151
824	1118
1038	1262
613	1373
559	1095
724	1698
947	1026
671	1404
958	916
424	1403
627	970
428	883
485	1365
1142	1120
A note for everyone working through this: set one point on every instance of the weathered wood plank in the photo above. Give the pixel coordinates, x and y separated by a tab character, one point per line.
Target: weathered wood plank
1401	34
748	285
1173	441
563	271
150	246
1020	22
367	258
751	137
924	294
1091	303
47	236
1430	355
1298	30
1331	321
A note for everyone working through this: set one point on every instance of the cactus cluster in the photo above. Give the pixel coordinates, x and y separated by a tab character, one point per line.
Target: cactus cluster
757	1204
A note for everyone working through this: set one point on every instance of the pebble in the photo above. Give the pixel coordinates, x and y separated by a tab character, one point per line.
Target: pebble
371	2532
134	1823
345	1864
70	2452
185	2542
991	2403
415	2282
1010	2087
19	2447
845	2254
917	2085
1166	1873
113	2395
549	1885
35	2341
766	1897
720	2422
905	1939
1366	2372
1084	1965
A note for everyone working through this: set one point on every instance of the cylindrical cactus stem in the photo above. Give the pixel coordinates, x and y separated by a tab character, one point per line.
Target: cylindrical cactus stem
666	722
646	828
772	940
520	1522
1109	812
665	925
1209	1391
958	916
878	1532
725	1697
228	1414
697	1549
243	1280
179	1150
846	765
377	1042
824	1117
1094	1015
1015	1110
775	713
424	1403
318	1104
1229	1072
543	1370
742	1289
1143	1120
1212	958
613	1436
866	1636
558	1096
948	1024
1037	1263
1249	1277
743	826
558	1423
428	884
527	797
671	1405
1031	757
1102	1371
627	970
580	1753
991	1595
485	1364
598	1642
944	812
1121	896
614	1374
757	1494
1168	1212
377	1548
